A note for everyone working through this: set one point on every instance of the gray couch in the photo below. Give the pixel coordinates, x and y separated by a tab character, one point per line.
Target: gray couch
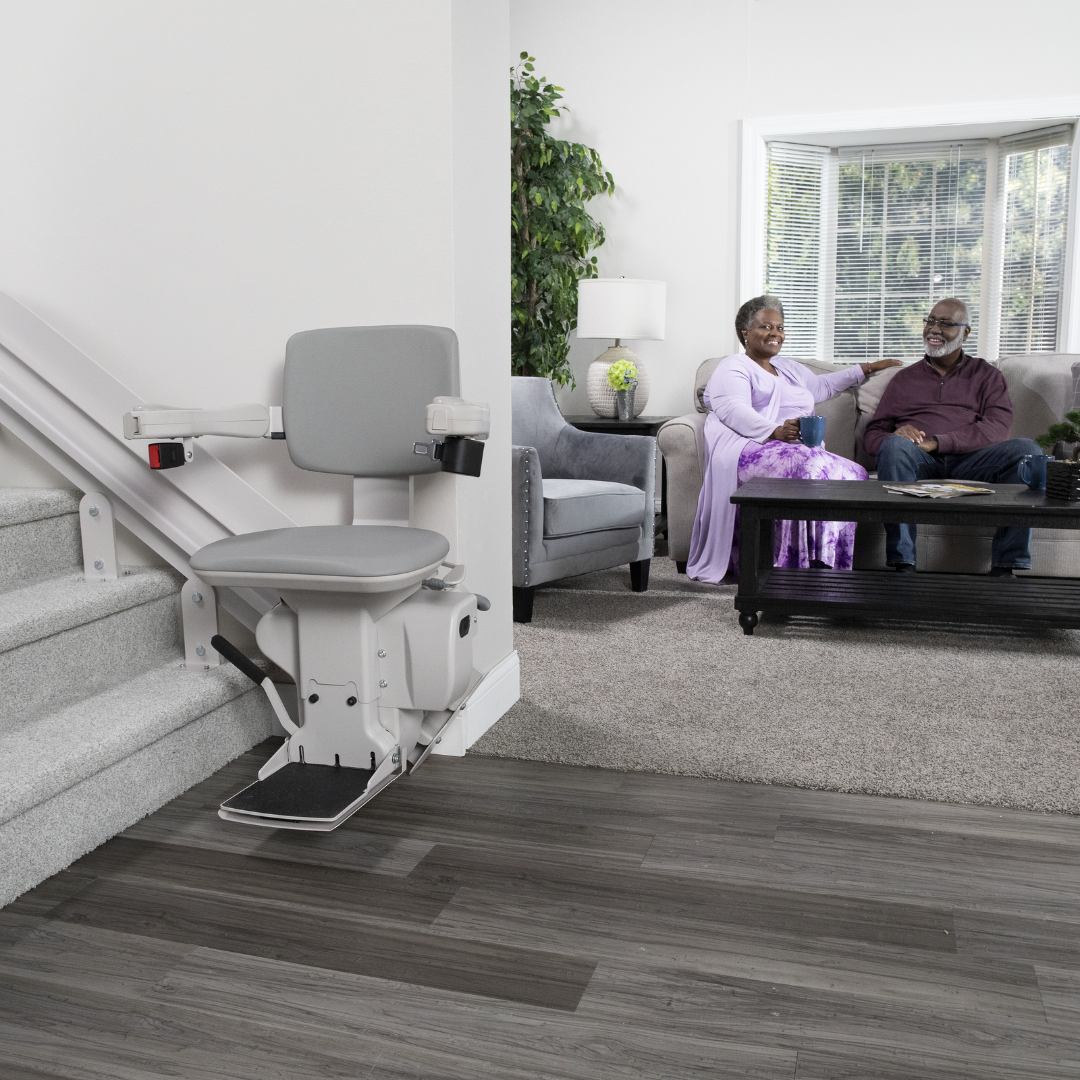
1043	387
581	501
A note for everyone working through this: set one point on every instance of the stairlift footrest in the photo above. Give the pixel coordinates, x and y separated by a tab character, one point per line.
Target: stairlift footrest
300	792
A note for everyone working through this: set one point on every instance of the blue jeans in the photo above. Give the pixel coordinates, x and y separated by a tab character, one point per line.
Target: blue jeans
901	459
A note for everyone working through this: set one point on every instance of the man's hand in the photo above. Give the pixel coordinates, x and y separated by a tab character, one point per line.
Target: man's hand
788	431
909	431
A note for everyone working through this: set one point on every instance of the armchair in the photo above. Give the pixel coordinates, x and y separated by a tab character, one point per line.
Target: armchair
581	501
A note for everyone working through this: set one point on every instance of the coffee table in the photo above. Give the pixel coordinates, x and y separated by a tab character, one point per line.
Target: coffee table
946	597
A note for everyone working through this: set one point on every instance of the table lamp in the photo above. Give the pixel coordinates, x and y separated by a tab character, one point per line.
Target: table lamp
619	308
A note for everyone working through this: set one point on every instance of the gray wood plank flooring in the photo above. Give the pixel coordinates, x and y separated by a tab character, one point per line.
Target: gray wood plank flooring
507	919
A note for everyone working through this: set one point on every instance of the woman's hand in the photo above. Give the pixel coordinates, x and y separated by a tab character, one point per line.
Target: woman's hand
880	365
788	431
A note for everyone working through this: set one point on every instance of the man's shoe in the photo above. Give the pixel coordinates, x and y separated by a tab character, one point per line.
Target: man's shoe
904	567
1002	572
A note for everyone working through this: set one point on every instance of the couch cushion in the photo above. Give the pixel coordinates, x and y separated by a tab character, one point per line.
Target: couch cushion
583	506
867	396
1041	390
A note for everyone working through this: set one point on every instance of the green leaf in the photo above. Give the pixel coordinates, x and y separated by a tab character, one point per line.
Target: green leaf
551	231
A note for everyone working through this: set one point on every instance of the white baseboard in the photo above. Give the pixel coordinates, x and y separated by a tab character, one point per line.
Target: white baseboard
495	693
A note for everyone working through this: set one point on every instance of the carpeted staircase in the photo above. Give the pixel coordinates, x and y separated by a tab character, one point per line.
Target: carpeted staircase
99	721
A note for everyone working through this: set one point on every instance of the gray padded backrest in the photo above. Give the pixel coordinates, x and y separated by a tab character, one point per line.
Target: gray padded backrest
535	417
355	397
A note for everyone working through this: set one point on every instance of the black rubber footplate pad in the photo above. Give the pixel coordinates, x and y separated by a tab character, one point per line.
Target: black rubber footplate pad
318	792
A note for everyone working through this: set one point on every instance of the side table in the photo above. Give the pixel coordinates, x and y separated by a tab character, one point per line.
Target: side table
640	425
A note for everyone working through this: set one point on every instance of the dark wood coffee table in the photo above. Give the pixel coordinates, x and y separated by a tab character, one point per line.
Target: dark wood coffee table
946	597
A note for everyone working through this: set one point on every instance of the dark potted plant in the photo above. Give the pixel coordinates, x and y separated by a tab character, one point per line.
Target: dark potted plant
552	233
1061	439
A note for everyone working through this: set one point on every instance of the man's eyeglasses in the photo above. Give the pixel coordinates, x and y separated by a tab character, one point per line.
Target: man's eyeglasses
930	322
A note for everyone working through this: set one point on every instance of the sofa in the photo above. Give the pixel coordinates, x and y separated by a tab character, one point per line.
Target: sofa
1043	387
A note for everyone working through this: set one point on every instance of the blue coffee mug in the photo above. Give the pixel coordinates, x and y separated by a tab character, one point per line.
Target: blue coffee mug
1032	469
812	431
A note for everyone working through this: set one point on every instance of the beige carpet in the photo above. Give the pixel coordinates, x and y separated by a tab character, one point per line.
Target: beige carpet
666	681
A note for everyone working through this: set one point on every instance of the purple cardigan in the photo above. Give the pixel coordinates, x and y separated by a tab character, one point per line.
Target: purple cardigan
743	400
965	410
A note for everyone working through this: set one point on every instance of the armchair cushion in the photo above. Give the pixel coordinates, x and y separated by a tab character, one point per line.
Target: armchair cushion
581	506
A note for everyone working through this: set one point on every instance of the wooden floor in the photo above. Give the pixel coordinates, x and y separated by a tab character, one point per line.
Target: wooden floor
504	919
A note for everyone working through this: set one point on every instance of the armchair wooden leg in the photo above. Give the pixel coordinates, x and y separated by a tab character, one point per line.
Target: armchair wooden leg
523	603
680	567
639	575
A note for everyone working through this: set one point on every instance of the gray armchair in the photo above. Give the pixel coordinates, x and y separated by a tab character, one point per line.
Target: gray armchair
582	501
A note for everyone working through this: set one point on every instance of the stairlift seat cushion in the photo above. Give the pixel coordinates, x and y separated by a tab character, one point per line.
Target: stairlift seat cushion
582	506
326	551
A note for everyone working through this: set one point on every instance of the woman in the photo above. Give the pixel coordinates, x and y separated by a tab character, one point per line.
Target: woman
754	402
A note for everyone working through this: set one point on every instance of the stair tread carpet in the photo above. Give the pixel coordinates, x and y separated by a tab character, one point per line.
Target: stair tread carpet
49	607
19	505
54	752
40	536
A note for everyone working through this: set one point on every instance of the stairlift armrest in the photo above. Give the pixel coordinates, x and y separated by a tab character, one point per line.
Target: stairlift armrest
250	421
456	416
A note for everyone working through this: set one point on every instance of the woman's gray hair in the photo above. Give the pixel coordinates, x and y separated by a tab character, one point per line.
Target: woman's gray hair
751	308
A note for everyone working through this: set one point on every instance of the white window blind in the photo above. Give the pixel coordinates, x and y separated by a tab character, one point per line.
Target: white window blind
909	233
796	242
1033	197
860	243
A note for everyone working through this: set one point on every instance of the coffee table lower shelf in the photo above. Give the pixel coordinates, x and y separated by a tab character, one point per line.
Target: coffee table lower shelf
942	598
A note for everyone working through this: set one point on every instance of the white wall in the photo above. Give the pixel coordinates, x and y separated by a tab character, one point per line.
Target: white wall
660	89
186	183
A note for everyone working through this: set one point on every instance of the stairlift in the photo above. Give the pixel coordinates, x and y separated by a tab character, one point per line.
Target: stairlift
372	624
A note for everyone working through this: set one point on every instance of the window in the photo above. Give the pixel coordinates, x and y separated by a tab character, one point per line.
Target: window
862	241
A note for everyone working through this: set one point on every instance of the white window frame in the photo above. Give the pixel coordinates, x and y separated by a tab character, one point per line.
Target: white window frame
924	124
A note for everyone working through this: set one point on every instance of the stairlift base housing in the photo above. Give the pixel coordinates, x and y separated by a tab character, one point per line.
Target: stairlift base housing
375	634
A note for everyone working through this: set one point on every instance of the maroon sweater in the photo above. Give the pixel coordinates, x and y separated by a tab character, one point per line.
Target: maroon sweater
965	410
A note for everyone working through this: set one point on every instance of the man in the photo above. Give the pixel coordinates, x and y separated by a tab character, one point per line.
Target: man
948	416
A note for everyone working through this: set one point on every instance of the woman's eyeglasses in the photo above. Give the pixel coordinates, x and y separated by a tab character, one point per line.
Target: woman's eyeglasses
945	324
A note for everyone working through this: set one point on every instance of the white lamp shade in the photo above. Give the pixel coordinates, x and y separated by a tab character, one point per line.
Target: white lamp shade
621	308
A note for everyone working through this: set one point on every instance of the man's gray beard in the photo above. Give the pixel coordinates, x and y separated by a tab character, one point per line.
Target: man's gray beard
935	352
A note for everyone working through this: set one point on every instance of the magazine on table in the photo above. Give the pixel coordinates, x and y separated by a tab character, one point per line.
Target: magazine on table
949	489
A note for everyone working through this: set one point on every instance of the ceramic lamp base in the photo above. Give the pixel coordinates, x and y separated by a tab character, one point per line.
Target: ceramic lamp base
602	393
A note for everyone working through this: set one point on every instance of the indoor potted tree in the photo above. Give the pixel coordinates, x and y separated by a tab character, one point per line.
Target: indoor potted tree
552	233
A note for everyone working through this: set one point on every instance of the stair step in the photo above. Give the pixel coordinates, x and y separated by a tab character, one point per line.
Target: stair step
65	639
72	779
39	534
52	753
